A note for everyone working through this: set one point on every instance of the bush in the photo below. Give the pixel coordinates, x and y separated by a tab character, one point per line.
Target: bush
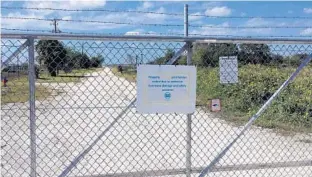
208	54
97	61
6	69
162	60
257	83
52	53
296	59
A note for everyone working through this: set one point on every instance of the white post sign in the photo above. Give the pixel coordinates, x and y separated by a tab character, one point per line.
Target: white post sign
166	89
228	69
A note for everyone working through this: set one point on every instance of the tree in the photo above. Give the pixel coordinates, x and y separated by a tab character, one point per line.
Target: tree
73	61
254	54
76	59
24	66
277	59
295	60
84	60
97	61
52	53
37	69
208	54
163	60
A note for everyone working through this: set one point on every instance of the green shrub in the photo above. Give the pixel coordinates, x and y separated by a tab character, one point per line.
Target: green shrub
256	84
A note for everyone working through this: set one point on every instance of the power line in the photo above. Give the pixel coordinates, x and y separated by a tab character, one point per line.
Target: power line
248	27
93	21
159	13
92	10
250	17
26	30
259	36
151	24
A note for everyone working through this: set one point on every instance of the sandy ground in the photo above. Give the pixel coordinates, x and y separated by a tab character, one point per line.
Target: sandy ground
67	123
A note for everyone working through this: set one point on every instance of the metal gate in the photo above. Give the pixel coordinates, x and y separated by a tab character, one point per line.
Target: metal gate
83	120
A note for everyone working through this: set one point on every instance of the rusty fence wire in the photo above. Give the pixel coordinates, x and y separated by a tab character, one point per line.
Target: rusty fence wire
68	108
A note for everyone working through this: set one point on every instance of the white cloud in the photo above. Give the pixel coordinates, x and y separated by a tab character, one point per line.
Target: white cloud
121	17
43	4
237	32
24	24
63	25
155	18
307	10
147	5
306	32
210	4
256	22
71	4
73	26
135	32
67	18
129	33
140	32
194	17
86	3
218	11
113	17
214	31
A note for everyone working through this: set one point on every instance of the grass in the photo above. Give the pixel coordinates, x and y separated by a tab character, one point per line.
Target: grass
75	76
291	112
128	73
17	89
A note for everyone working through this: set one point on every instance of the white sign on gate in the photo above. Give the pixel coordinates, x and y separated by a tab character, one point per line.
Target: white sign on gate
166	89
228	69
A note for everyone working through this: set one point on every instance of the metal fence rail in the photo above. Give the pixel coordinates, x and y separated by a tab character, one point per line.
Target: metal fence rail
83	121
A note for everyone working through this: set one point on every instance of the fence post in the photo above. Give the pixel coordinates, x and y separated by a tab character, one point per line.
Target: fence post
189	126
32	112
185	20
189	116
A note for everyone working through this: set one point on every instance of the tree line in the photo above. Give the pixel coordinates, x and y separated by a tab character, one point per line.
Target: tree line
55	56
207	55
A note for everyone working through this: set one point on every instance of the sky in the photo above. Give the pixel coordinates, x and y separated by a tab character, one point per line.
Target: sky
251	14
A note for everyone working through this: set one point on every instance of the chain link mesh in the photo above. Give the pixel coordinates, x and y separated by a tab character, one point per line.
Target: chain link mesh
82	87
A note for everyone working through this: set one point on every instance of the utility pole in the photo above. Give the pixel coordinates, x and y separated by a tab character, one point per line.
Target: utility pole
82	48
55	28
136	60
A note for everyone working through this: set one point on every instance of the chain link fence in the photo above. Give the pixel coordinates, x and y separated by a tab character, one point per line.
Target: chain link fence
82	118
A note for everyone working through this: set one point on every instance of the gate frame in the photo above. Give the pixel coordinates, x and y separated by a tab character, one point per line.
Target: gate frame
187	47
60	36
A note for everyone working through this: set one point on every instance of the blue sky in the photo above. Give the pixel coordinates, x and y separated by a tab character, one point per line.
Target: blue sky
223	9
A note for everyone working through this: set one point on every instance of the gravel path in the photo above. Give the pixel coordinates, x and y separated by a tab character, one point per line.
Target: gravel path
67	123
